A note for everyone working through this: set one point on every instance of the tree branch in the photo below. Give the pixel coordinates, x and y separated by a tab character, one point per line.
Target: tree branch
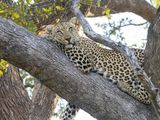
45	61
139	7
128	53
44	102
152	53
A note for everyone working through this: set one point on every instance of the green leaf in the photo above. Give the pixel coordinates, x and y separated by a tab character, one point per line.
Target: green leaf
36	9
49	9
15	15
59	7
1	73
157	3
3	66
107	12
99	3
1	11
28	1
89	2
44	9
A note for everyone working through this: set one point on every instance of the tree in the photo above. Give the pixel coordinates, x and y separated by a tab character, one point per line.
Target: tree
14	98
43	103
41	57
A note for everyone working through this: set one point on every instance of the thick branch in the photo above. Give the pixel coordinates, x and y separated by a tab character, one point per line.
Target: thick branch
14	101
152	53
139	7
44	102
43	60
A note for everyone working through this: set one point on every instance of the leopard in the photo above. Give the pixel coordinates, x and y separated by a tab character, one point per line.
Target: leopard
88	56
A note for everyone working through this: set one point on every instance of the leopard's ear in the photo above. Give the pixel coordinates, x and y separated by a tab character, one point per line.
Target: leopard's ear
49	28
73	20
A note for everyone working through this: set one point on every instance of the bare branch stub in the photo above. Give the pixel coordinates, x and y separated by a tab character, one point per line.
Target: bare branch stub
126	51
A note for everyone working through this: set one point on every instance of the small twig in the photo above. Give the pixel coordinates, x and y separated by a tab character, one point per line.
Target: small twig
133	24
118	27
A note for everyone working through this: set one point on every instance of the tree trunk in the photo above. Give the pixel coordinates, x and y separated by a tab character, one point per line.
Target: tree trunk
152	52
44	102
15	103
14	100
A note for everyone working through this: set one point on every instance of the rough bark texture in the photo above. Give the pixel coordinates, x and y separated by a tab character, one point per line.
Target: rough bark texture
43	102
152	52
45	61
14	100
139	7
152	58
15	103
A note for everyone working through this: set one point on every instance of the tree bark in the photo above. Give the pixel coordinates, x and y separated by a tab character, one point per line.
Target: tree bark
152	52
15	103
14	100
43	102
139	7
45	61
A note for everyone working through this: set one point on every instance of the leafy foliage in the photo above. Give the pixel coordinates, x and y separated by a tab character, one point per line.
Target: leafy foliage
107	13
157	3
28	14
32	14
90	3
3	66
18	12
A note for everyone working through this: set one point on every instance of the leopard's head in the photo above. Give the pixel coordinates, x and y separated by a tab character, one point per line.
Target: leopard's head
63	33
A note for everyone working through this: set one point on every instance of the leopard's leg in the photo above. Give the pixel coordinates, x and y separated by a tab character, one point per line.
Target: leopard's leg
70	112
103	72
136	89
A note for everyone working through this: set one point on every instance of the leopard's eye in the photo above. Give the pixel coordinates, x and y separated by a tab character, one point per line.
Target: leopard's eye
70	29
58	31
